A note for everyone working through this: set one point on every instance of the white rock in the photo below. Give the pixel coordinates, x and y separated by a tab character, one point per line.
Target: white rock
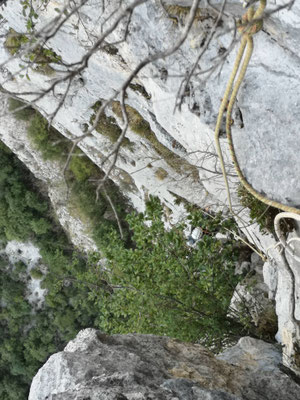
268	101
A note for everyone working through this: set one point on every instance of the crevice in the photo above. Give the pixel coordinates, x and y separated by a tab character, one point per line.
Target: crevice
287	371
277	73
173	142
281	45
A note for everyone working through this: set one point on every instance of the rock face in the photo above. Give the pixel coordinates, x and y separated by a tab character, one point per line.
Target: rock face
266	119
142	367
14	134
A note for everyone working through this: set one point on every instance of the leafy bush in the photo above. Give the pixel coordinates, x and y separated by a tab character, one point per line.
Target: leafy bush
36	273
82	167
83	198
262	213
18	207
39	57
40	226
153	282
42	57
25	114
27	339
162	286
54	146
48	140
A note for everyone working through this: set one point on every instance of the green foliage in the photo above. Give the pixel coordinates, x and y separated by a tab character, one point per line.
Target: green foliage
38	57
83	199
140	89
20	267
14	41
27	339
108	127
142	128
21	211
25	114
36	273
162	286
48	140
29	12
42	57
136	122
153	281
82	167
262	213
82	177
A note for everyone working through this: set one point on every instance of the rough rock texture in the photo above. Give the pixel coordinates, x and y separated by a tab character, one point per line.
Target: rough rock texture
14	134
266	119
251	298
142	367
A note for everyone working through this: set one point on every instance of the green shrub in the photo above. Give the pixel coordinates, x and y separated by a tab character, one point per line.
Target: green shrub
20	266
14	41
82	167
83	201
43	57
40	56
262	213
108	126
25	114
40	226
48	140
36	273
28	338
162	286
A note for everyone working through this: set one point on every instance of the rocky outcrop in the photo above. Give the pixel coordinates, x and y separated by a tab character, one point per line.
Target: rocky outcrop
142	367
50	174
266	119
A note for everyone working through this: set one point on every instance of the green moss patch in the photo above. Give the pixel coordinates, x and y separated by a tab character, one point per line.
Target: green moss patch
180	13
142	128
36	273
25	114
161	174
81	166
140	89
14	41
47	139
108	126
40	56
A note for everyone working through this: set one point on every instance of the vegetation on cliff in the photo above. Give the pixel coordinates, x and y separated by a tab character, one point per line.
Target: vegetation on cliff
151	283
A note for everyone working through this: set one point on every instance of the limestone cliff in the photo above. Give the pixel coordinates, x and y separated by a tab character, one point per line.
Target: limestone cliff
266	129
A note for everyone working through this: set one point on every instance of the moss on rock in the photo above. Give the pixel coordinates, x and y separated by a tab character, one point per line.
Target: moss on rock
142	128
